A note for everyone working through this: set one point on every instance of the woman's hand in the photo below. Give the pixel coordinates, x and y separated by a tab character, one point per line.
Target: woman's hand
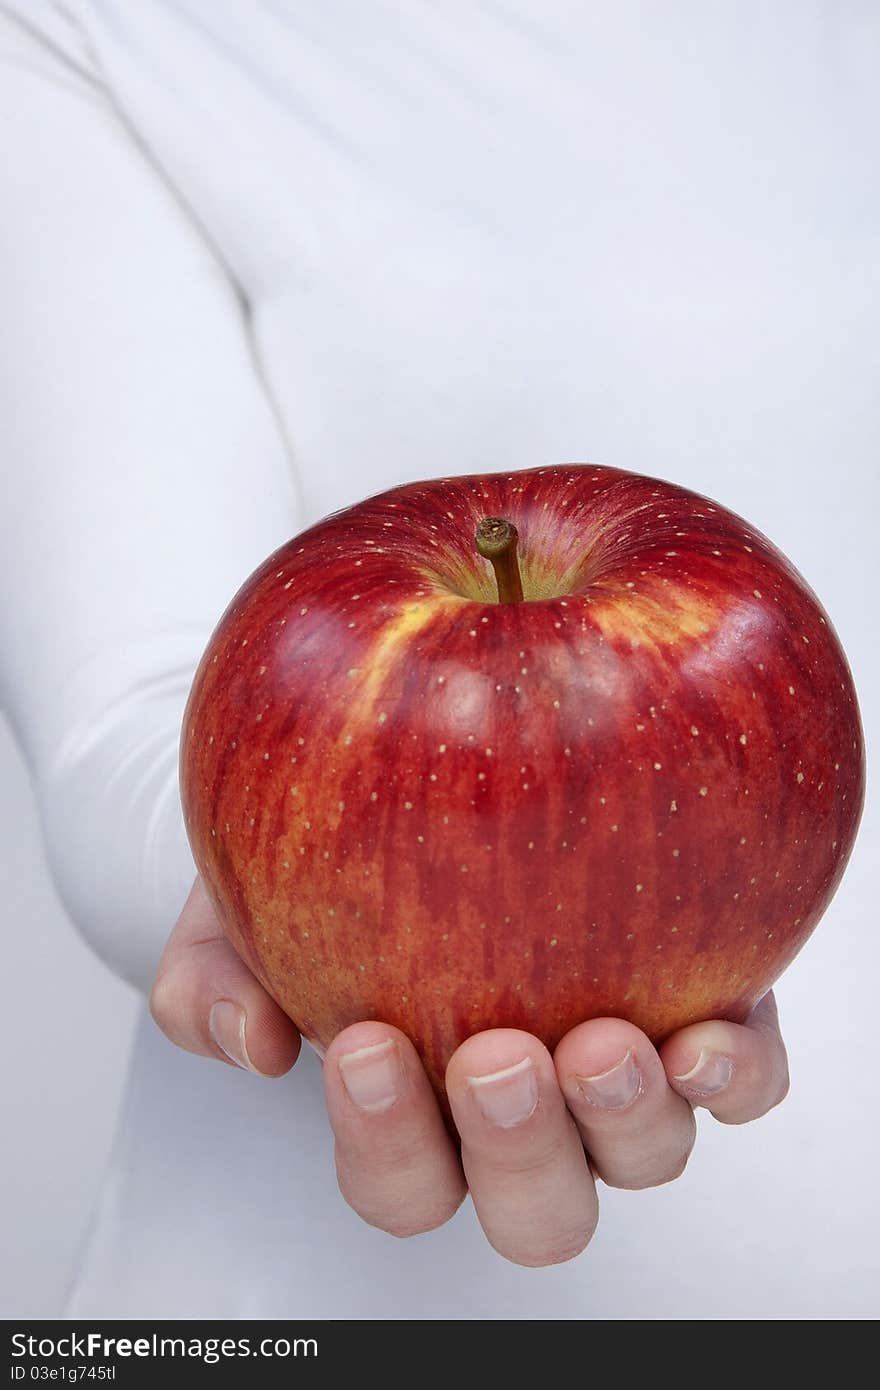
535	1129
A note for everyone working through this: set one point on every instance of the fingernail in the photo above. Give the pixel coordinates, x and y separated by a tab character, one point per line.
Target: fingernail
226	1024
373	1076
507	1097
711	1073
614	1088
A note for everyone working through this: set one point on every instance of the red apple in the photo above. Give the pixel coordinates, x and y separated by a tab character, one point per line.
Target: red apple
632	793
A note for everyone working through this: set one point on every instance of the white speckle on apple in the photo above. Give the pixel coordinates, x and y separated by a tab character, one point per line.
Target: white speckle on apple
556	704
407	805
742	738
525	786
704	791
757	593
481	776
694	730
800	776
640	728
657	767
615	828
265	757
639	887
488	752
442	748
673	805
676	853
432	777
382	718
294	791
374	796
472	632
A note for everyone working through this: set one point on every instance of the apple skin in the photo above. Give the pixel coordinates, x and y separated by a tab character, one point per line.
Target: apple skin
633	794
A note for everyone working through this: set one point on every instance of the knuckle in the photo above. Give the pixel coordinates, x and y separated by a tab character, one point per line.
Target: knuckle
163	996
386	1213
437	1214
759	1100
673	1170
510	1154
386	1150
567	1246
659	1165
783	1088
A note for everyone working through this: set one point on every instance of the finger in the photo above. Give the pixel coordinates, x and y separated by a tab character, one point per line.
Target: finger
638	1132
395	1161
737	1071
206	1000
522	1155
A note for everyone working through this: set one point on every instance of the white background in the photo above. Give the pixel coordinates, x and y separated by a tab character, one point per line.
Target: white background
782	1215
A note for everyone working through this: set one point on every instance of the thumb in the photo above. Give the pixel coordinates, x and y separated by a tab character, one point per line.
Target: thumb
206	1000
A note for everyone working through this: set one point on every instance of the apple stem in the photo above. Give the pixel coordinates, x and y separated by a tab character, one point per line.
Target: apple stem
496	541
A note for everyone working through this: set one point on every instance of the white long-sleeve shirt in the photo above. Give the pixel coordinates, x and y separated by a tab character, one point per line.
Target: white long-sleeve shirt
258	260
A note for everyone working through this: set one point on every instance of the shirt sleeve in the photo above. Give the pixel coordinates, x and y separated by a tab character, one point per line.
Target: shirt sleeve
144	478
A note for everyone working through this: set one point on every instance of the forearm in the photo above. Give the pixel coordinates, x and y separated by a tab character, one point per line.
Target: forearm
144	478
